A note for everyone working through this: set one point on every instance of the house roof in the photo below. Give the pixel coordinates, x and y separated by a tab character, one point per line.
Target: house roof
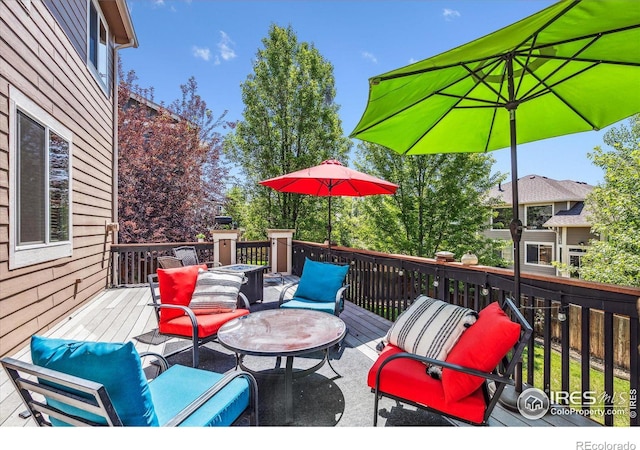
116	13
534	189
577	216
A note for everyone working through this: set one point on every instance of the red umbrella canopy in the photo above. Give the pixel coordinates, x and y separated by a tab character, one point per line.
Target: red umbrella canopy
330	178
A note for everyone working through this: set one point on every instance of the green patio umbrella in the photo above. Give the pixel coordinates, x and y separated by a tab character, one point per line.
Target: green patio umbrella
572	67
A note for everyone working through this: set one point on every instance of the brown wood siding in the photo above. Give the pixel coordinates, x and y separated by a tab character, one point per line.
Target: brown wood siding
40	57
71	15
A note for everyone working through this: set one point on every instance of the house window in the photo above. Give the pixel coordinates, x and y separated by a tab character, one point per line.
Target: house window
40	152
575	260
501	218
537	216
540	254
505	253
98	43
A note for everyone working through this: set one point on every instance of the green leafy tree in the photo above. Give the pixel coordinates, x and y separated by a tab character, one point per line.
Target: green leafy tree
614	209
440	204
290	122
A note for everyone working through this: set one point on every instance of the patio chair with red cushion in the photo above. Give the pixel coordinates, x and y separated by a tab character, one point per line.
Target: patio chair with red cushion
484	352
192	303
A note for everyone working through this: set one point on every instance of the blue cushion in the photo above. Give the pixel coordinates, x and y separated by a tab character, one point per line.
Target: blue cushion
300	303
320	281
175	388
114	365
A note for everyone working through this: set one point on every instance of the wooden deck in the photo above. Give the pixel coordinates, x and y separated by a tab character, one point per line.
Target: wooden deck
119	315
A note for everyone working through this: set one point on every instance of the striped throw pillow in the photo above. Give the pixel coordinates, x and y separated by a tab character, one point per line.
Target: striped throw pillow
216	291
430	327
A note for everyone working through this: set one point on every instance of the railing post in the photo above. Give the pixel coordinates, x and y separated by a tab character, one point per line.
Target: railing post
224	246
280	251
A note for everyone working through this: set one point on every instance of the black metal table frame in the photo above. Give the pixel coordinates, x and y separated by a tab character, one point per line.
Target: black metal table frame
289	373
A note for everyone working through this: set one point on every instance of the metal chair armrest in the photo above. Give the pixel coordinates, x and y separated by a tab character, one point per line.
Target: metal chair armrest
282	300
436	362
188	311
162	362
339	299
243	301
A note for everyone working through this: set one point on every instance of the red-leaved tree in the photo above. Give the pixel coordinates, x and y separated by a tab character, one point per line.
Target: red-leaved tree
170	175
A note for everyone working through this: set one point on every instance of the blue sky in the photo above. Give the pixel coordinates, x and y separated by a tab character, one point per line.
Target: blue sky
217	41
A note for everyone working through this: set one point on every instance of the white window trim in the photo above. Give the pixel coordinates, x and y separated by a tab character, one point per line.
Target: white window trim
526	220
550	244
103	82
26	255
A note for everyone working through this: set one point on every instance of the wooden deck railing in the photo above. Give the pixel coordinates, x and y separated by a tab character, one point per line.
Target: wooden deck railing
131	263
583	324
579	325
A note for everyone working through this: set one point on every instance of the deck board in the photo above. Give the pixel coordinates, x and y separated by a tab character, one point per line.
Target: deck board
121	314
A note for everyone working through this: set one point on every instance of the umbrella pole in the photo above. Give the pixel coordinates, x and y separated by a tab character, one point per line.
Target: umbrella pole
509	397
329	229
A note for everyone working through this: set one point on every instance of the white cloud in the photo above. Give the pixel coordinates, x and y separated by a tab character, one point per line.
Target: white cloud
370	56
202	53
158	2
412	60
225	47
450	14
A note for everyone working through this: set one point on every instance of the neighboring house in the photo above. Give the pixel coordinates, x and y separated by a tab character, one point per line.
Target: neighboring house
556	226
58	157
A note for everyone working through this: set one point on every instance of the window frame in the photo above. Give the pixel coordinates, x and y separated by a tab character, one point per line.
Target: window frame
94	67
577	251
29	254
539	244
507	253
495	209
526	216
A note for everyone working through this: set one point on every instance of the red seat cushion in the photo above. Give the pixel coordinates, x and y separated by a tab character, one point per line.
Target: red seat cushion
208	324
480	347
176	286
408	379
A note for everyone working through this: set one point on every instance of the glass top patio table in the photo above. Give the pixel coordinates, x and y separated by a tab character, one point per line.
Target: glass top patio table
283	333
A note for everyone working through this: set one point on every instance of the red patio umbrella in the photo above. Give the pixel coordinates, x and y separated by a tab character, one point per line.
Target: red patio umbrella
328	179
